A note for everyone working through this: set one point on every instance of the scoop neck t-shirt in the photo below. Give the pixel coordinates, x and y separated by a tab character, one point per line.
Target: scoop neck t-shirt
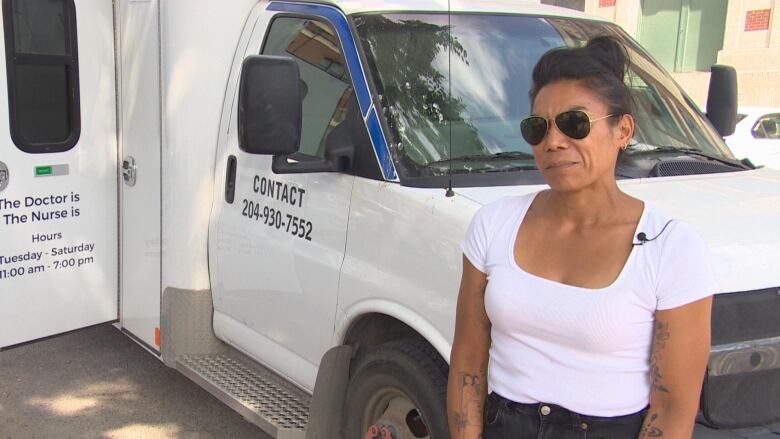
584	349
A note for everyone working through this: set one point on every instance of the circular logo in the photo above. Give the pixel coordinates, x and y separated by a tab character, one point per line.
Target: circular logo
3	176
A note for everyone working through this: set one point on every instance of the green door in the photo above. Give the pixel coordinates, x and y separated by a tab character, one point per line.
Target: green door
659	28
703	35
683	35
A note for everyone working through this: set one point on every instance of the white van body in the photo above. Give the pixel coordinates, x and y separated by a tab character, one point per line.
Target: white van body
58	222
297	265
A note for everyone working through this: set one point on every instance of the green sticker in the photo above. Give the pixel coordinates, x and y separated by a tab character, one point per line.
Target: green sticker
43	170
51	170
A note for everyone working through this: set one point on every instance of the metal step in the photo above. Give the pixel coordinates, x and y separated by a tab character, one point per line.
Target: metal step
262	397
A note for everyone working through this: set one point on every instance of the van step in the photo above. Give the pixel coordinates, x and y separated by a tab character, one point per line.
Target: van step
261	396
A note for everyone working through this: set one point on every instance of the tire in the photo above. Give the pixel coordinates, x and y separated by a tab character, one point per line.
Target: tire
401	383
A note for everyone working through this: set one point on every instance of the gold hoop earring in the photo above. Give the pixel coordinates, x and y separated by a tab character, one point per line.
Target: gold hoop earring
624	147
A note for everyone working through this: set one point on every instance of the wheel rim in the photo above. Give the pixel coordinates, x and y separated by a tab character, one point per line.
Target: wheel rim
392	407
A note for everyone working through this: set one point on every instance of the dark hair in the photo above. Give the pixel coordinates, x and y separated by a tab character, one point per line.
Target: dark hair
601	65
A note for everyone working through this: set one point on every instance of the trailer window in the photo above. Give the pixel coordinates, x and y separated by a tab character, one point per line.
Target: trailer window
42	72
326	86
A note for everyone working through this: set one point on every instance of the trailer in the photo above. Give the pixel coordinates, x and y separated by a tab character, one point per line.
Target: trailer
269	195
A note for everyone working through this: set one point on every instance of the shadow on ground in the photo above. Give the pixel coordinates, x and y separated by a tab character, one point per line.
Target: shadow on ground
97	383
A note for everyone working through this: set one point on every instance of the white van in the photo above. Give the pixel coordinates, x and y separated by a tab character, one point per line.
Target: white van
270	195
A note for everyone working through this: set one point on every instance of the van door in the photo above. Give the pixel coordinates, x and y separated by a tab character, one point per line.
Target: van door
58	168
139	78
277	244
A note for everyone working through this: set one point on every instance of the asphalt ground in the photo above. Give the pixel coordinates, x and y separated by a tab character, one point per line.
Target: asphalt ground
98	383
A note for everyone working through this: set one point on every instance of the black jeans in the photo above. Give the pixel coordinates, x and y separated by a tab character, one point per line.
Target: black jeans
505	419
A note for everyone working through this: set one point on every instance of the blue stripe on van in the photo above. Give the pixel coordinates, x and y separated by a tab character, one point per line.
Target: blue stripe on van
336	18
375	131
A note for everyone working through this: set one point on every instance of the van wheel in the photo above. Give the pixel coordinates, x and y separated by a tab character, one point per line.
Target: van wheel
401	385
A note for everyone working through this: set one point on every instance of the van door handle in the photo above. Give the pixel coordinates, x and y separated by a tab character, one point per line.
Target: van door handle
230	180
129	170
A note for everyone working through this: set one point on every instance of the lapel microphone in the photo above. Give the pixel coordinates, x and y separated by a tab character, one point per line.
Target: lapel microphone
642	236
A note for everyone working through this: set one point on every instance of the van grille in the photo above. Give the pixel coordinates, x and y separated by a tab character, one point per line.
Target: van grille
688	167
744	316
742	386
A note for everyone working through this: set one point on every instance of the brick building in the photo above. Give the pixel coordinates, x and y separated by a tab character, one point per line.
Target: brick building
688	36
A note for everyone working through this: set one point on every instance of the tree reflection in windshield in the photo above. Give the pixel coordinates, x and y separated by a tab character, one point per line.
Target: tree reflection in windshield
412	61
468	101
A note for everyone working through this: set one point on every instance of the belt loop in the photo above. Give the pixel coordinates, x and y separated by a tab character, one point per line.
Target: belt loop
576	423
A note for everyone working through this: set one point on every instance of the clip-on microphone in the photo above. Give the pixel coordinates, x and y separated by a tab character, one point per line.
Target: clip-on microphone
642	237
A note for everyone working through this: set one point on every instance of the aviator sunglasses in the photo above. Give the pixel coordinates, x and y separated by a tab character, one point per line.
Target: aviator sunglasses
573	123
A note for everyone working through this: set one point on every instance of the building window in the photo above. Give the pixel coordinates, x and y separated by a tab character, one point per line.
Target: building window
757	19
578	5
42	71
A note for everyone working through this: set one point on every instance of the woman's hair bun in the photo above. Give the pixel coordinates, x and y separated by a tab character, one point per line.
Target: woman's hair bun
610	53
601	65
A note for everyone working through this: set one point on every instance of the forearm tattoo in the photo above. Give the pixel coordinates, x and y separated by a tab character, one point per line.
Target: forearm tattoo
472	400
650	429
660	337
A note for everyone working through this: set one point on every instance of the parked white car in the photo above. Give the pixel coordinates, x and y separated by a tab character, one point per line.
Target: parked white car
757	136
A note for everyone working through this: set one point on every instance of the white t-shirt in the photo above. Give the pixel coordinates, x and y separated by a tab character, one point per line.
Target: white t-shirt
587	350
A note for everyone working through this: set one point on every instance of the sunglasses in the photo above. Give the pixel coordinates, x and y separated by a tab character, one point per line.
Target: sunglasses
574	123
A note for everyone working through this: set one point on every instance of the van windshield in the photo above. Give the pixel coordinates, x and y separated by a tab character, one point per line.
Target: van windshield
464	100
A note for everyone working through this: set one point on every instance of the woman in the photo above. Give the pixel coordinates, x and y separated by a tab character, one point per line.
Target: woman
584	322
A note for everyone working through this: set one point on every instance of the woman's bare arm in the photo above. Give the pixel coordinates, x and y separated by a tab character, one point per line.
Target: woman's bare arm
681	347
467	386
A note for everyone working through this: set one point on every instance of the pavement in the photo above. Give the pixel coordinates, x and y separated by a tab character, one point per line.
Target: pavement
98	383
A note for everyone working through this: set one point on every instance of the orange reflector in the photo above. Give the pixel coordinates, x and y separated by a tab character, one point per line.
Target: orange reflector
157	336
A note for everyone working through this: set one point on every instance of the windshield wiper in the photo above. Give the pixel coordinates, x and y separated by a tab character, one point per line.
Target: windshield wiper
507	155
694	152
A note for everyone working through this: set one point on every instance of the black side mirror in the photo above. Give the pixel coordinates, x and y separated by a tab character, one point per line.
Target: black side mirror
269	105
722	99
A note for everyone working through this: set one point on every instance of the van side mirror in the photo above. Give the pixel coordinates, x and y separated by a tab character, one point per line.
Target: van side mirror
269	105
722	99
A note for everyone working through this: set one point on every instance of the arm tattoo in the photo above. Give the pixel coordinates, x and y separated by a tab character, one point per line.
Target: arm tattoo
649	429
472	400
660	337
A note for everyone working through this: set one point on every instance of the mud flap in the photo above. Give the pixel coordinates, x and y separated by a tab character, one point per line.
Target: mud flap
330	389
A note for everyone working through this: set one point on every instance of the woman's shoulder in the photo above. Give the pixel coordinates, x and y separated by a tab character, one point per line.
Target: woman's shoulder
681	259
657	222
494	214
508	204
674	238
